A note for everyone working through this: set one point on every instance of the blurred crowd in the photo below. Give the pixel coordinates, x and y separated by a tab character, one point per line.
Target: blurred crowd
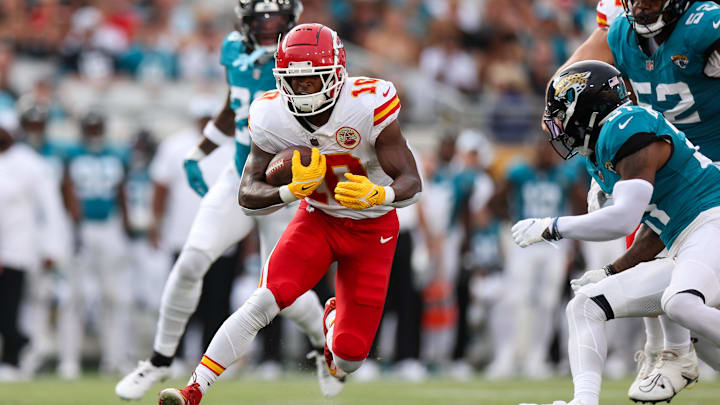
84	84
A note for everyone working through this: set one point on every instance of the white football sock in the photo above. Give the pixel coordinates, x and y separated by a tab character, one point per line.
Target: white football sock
234	337
307	313
180	299
691	312
676	336
653	334
587	347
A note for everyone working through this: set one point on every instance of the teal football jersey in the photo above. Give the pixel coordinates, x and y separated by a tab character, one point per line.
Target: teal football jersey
540	193
96	176
672	80
685	186
248	80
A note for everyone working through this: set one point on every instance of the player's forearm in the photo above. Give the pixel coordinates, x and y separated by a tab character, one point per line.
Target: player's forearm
258	195
613	222
646	247
407	189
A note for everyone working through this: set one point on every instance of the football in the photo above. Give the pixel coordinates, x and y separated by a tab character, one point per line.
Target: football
279	170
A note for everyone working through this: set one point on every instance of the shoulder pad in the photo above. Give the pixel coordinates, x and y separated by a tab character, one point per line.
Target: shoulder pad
232	47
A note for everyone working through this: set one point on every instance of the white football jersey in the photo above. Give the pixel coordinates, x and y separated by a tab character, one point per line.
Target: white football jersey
363	109
608	11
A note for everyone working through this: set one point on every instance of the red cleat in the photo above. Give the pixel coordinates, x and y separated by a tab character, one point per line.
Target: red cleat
190	395
328	321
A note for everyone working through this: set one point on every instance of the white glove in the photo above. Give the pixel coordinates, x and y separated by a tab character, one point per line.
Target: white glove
589	277
597	198
533	230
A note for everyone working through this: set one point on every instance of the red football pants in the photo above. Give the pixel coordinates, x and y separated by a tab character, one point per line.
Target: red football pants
364	251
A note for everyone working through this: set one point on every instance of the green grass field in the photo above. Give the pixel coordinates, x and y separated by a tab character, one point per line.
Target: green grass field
301	390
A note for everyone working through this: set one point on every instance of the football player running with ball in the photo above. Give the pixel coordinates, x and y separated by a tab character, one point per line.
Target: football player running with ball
645	162
361	169
247	57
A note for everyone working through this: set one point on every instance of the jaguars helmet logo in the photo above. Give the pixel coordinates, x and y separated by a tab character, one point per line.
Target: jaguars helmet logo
569	87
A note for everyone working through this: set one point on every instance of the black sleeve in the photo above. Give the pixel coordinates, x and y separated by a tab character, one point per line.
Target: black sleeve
632	145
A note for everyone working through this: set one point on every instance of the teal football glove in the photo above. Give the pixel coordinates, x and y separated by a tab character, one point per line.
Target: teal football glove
195	177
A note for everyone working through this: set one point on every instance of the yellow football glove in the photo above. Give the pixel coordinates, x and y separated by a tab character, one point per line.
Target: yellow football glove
359	193
307	178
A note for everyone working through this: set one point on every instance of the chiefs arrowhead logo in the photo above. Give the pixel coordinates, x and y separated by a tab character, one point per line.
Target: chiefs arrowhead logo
347	137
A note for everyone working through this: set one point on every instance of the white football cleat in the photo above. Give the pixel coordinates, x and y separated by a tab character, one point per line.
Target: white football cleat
137	382
329	385
645	363
672	373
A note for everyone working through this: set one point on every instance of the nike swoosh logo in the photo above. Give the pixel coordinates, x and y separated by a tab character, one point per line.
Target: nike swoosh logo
303	188
624	124
385	240
374	194
388	90
716	24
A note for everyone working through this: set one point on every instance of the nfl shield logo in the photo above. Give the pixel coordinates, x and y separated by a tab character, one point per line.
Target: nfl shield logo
256	73
649	65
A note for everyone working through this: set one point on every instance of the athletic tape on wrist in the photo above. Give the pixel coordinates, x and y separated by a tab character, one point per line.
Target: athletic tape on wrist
389	195
215	135
286	195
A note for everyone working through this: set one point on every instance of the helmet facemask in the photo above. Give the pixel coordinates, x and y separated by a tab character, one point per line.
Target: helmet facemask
332	76
263	22
652	23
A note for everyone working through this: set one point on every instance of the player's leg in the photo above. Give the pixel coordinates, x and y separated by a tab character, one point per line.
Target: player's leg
365	257
297	263
632	293
306	311
218	224
551	276
695	287
116	287
707	352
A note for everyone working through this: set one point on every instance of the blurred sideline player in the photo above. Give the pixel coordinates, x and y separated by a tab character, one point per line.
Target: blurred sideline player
31	231
220	222
43	284
353	120
642	159
96	171
542	187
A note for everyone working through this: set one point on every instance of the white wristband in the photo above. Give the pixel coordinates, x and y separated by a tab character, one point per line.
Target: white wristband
286	195
195	154
214	134
389	195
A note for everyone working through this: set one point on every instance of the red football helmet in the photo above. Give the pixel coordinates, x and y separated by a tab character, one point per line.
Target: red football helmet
307	50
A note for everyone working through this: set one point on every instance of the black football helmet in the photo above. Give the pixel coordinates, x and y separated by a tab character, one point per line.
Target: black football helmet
262	22
648	24
578	100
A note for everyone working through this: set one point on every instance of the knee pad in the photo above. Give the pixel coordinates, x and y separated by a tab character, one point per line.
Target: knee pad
350	347
678	305
348	366
596	308
263	306
192	264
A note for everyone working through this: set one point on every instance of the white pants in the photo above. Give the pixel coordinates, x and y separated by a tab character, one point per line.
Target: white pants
698	264
220	222
101	285
535	277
